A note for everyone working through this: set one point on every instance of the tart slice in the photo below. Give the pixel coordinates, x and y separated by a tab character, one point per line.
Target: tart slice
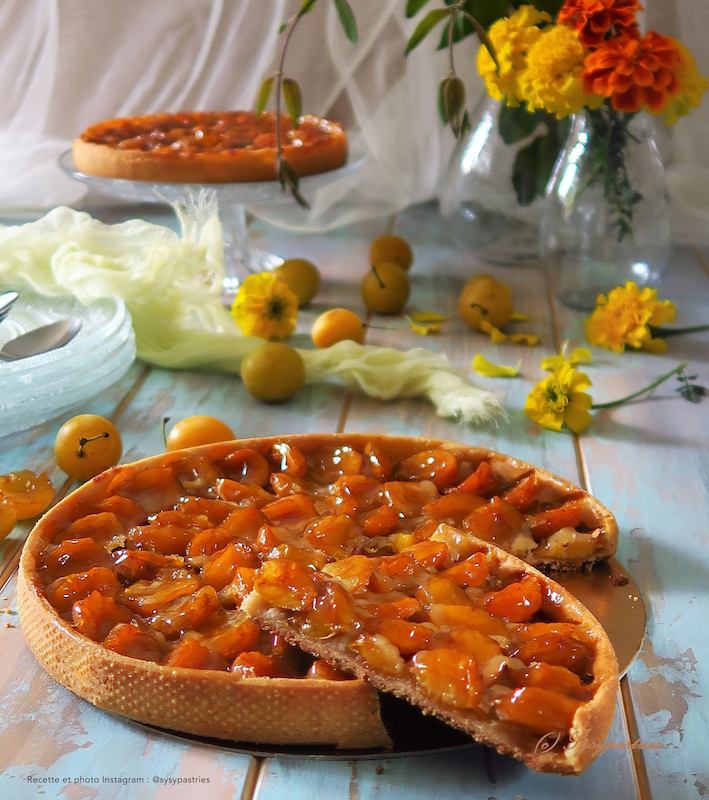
463	630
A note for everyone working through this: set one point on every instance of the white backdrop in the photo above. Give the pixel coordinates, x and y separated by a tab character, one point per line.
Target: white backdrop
67	63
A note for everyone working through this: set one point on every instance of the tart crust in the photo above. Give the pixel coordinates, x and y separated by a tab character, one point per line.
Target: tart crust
234	154
221	704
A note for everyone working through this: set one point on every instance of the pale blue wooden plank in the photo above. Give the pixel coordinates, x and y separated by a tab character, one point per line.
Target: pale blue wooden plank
475	773
649	460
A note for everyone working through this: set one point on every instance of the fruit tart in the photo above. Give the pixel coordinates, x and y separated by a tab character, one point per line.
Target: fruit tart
131	589
207	147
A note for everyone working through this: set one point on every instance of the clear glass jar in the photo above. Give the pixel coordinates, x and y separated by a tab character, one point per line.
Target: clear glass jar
606	218
477	194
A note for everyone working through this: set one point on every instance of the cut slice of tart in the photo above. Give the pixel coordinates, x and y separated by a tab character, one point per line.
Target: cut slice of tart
130	588
463	630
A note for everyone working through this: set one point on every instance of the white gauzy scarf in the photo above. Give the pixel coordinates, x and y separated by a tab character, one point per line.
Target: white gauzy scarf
171	286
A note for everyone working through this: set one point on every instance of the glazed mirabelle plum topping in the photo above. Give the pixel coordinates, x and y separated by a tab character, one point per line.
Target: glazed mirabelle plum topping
29	492
466	637
158	558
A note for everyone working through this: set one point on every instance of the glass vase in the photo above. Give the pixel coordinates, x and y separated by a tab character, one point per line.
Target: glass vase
606	217
492	191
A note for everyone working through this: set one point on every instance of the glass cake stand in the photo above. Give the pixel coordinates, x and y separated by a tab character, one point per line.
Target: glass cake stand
239	256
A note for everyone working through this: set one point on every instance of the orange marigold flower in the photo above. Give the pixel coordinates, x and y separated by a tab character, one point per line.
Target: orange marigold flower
594	18
634	73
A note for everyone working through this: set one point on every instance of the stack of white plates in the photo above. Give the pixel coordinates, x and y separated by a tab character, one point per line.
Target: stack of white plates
33	390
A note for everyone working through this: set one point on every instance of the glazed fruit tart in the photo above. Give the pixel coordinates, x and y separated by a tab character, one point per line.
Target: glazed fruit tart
131	589
207	147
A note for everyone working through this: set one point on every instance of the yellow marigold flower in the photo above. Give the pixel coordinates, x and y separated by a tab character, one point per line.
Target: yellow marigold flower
625	316
552	80
560	399
265	307
692	86
512	37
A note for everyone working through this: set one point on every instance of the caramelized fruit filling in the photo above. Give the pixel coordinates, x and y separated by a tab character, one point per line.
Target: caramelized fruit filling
466	636
158	567
203	132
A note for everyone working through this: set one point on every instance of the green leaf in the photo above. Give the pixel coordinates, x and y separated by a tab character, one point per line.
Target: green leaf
487	41
283	27
442	101
484	11
515	124
465	125
550	6
462	28
454	102
306	6
263	94
413	7
427	24
293	98
289	179
344	12
533	168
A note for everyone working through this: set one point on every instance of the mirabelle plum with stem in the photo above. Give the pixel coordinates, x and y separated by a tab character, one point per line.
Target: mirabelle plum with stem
386	288
31	493
336	325
200	429
273	372
302	277
86	445
390	247
8	515
484	299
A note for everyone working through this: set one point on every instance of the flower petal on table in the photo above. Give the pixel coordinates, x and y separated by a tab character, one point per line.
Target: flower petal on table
489	370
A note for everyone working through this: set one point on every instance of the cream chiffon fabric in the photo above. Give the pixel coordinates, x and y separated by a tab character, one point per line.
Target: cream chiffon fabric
67	63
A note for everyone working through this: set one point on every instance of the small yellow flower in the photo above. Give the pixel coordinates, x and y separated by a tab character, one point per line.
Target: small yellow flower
512	37
265	307
624	318
560	399
692	86
552	81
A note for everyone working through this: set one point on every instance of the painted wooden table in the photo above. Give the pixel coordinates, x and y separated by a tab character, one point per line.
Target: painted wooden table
647	461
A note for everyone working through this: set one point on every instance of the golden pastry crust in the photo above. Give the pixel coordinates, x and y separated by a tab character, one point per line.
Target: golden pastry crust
207	147
266	710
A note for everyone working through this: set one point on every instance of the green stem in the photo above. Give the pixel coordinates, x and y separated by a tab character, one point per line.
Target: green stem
676	371
664	332
450	42
279	83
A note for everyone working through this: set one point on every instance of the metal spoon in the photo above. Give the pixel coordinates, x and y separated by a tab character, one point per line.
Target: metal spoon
6	301
41	340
